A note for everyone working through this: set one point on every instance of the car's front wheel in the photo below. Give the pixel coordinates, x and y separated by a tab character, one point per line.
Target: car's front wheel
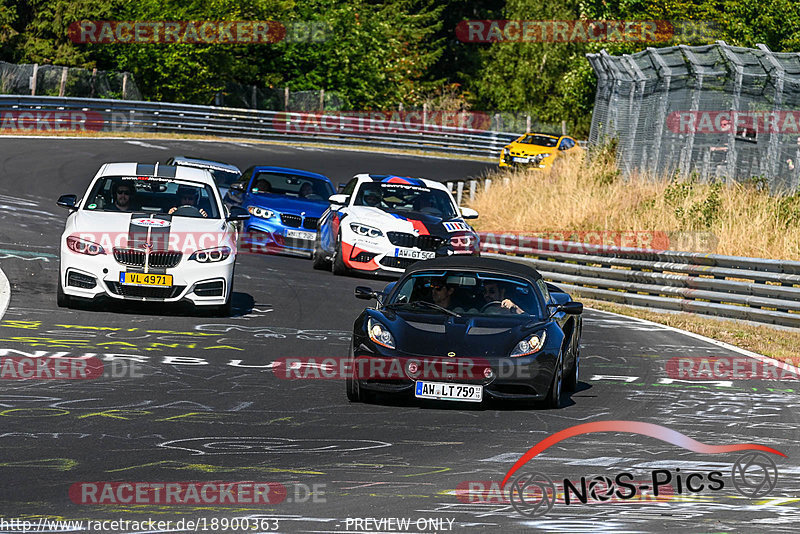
319	261
62	299
572	378
554	395
353	391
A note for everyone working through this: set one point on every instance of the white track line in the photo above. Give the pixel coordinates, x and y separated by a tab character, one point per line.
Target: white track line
722	344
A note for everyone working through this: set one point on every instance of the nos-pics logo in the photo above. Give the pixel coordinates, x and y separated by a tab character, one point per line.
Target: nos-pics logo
754	473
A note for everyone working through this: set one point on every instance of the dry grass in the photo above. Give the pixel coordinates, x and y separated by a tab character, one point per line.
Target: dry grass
575	196
781	344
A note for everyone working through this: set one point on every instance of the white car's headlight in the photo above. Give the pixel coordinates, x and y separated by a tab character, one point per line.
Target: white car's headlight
83	246
261	213
529	345
380	334
210	255
366	231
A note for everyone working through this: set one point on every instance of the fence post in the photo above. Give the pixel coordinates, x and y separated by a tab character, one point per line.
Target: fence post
460	192
487	184
285	99
686	152
663	106
94	79
563	127
473	184
738	67
424	116
772	165
254	98
322	99
527	124
32	83
124	84
63	86
449	186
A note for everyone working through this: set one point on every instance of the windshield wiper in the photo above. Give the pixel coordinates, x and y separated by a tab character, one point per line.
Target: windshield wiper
432	306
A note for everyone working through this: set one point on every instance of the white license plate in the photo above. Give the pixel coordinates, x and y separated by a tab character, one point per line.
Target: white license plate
299	234
444	391
521	160
414	254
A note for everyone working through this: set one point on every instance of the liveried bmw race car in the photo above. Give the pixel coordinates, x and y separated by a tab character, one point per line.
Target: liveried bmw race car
383	224
154	233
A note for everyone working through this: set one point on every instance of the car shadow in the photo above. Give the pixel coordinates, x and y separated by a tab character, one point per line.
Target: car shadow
487	404
241	304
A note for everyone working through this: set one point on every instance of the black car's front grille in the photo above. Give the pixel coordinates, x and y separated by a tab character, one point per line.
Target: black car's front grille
159	259
145	292
396	263
290	220
423	242
310	223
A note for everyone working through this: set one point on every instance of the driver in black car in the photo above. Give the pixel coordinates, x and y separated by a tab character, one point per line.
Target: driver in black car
494	292
187	196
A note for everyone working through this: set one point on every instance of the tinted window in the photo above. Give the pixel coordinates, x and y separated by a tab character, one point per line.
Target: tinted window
152	195
291	186
471	293
539	140
406	198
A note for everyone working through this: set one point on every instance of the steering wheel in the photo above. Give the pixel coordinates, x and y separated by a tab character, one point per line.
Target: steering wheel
187	210
491	304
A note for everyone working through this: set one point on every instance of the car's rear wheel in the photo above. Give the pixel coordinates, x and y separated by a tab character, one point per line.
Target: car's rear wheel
571	382
339	268
353	391
554	395
62	299
319	261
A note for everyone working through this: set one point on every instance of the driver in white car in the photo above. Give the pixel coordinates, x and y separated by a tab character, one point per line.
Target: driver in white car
187	196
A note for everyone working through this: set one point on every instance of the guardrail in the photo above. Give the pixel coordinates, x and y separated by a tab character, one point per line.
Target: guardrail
733	287
125	116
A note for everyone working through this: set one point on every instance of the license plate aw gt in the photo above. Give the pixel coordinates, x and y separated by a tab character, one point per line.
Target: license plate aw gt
299	234
521	160
446	391
142	279
414	254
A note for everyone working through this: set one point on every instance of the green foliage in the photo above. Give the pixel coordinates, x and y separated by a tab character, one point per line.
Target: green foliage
702	210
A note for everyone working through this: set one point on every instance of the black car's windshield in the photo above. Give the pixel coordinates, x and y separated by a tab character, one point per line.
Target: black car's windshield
290	185
149	194
468	293
405	198
539	140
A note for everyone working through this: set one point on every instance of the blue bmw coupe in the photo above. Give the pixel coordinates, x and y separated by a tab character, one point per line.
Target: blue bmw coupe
284	205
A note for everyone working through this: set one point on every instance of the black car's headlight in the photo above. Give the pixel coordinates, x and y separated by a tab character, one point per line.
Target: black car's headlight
529	345
211	255
366	231
84	246
261	213
380	334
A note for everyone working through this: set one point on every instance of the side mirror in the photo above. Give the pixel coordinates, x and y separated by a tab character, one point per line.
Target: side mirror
237	186
68	202
469	213
238	214
341	200
571	308
365	293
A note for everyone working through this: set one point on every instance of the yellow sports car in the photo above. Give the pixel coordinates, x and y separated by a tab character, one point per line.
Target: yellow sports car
535	149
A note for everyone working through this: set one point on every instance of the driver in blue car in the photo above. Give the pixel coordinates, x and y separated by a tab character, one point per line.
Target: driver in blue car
187	196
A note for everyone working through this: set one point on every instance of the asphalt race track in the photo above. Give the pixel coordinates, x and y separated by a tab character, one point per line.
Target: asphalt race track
197	399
